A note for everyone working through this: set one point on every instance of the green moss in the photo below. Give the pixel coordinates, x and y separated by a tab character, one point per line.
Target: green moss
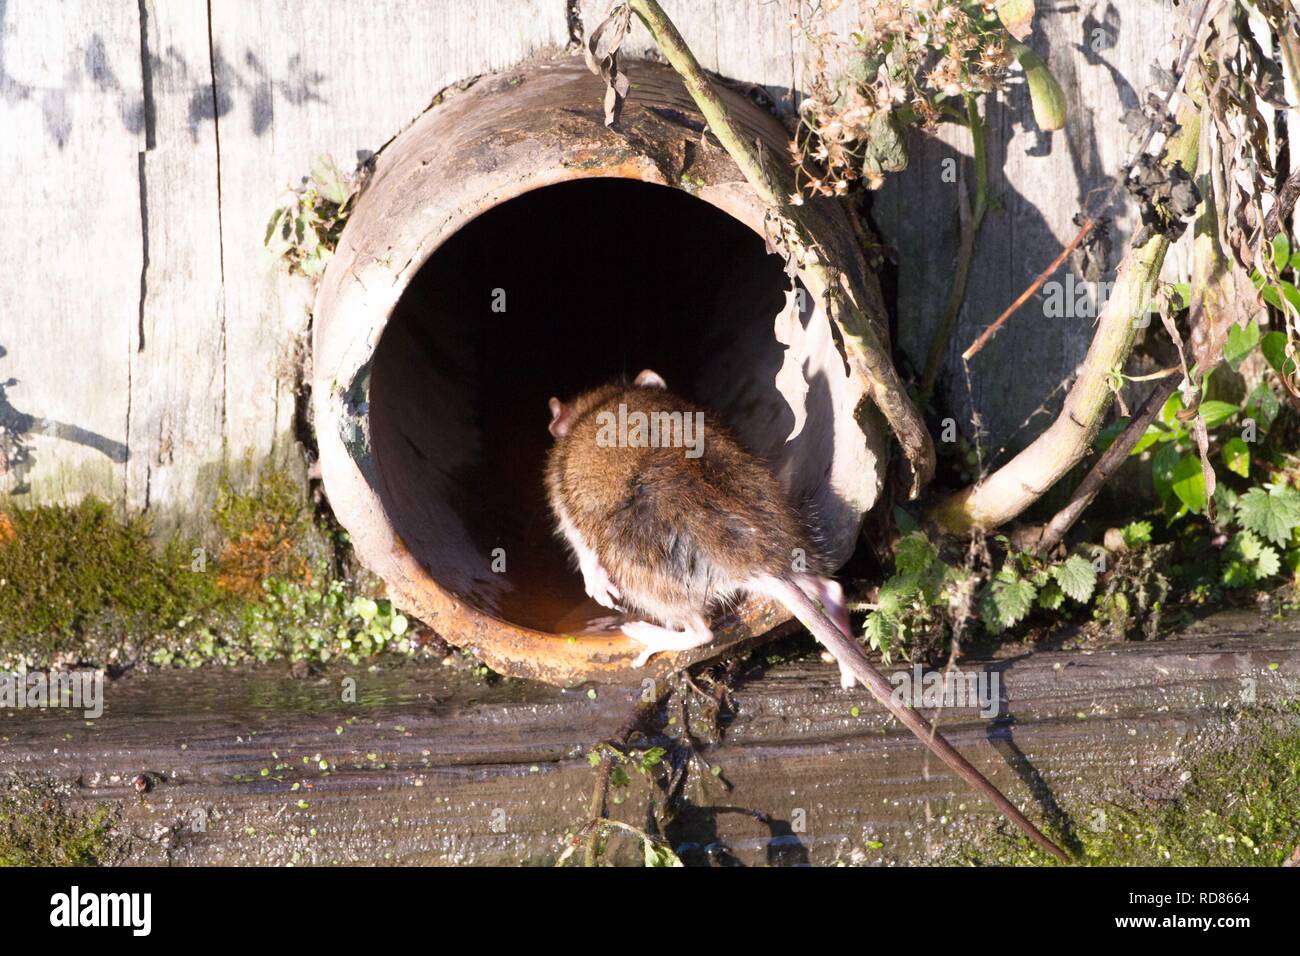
65	571
1238	807
40	827
267	533
81	584
276	500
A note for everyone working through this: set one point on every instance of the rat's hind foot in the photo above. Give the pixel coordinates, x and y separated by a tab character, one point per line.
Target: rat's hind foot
654	638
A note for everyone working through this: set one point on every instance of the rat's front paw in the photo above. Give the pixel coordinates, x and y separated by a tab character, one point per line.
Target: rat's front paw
599	587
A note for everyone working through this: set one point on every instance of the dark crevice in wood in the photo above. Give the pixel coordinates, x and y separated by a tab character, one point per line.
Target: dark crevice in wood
221	237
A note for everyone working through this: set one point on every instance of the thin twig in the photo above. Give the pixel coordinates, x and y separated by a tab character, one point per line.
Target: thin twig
1024	297
1107	465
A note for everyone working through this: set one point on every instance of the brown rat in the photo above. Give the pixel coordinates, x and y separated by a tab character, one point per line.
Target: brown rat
671	526
670	519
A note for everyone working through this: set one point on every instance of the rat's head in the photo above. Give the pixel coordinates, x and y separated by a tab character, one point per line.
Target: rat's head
564	414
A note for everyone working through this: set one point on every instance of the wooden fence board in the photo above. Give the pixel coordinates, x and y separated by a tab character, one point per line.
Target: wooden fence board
71	112
145	389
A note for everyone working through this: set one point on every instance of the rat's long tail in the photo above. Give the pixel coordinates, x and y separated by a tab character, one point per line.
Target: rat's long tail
851	656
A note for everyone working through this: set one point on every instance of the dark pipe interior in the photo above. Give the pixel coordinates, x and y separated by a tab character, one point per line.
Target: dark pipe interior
600	278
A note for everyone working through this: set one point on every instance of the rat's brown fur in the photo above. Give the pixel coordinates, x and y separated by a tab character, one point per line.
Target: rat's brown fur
677	534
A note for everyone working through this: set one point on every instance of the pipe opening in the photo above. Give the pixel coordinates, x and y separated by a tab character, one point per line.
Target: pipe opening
550	293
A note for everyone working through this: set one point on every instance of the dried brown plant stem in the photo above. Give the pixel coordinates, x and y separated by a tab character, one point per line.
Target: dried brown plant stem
1090	221
1106	465
971	220
867	355
992	330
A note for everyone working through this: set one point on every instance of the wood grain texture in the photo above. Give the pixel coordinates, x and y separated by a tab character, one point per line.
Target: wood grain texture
299	80
150	344
176	427
72	127
154	343
255	767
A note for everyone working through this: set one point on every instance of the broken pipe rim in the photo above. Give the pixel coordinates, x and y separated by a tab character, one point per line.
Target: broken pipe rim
507	135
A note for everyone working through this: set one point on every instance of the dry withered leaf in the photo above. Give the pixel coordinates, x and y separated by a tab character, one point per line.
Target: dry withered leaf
601	54
790	381
1017	16
1168	196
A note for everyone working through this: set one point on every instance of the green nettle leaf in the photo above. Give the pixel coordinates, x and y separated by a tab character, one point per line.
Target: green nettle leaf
1242	340
1281	251
1216	412
895	595
1050	596
1013	597
1077	577
1273	346
1274	513
879	631
1188	483
1263	407
1162	473
1236	456
914	554
1268	563
1249	560
1137	533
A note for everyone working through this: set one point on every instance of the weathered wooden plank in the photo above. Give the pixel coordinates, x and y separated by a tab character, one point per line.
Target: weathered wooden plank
294	78
747	40
299	79
178	392
185	341
427	768
73	123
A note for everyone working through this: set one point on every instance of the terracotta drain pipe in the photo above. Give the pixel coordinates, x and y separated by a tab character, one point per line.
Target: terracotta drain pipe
509	247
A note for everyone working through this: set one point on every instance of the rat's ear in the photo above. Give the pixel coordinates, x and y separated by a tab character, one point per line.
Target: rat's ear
561	418
649	378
